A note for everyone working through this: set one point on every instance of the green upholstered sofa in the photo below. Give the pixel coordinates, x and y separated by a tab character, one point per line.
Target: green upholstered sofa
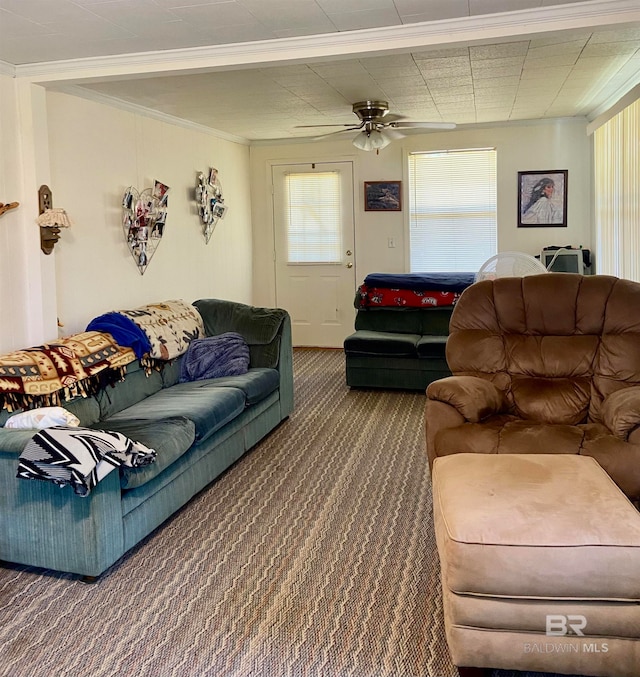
198	429
398	347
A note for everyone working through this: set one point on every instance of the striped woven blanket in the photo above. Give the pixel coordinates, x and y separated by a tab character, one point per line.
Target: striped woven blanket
79	457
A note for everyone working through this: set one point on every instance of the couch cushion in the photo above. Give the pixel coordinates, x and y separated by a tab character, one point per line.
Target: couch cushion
170	437
171	372
435	321
256	384
432	346
398	320
507	434
13	441
85	408
207	405
136	387
261	327
365	342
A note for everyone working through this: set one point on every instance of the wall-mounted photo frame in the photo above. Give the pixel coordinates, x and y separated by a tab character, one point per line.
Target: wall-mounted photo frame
143	221
542	199
383	196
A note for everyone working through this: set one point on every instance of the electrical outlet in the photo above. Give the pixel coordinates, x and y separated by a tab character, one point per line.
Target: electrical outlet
391	242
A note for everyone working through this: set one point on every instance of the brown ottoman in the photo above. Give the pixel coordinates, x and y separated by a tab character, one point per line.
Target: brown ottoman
540	560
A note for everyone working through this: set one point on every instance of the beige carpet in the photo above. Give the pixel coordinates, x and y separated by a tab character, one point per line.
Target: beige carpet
312	557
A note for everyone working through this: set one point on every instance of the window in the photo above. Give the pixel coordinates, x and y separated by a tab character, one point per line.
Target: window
452	210
617	194
313	215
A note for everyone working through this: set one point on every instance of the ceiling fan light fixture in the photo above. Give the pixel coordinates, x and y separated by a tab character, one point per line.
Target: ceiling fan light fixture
377	128
373	140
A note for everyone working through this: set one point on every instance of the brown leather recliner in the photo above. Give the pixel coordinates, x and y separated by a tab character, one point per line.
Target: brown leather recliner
544	364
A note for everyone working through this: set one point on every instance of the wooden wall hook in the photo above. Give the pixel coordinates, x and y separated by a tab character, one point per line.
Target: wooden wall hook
6	207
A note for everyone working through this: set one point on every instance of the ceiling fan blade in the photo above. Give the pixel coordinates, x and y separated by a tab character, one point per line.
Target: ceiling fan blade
392	117
324	136
423	125
393	134
328	125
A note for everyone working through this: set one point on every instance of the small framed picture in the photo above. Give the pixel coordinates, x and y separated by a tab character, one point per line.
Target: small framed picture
542	199
160	191
382	196
127	200
219	210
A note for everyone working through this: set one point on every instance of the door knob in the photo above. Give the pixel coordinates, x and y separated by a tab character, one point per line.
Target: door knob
349	252
349	265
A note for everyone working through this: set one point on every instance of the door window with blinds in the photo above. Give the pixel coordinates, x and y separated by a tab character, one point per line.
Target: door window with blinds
313	215
452	210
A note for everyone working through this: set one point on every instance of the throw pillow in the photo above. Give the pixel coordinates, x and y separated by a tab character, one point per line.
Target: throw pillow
43	417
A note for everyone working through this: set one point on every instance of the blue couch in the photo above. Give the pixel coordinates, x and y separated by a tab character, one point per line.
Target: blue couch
198	429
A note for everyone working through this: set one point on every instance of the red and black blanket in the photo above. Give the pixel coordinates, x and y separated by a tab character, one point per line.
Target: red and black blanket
412	290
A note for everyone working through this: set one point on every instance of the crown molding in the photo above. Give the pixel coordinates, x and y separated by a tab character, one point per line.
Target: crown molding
7	69
104	99
488	27
612	107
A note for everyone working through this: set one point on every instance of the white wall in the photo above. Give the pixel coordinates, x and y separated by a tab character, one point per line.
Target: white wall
27	293
96	152
561	144
13	292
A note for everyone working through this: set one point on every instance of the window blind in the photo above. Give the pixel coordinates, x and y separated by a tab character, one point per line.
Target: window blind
617	194
313	205
453	210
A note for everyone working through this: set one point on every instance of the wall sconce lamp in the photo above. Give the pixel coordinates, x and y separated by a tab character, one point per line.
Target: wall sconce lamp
50	220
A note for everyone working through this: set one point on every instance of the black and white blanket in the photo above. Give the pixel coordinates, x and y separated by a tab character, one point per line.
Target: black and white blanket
80	457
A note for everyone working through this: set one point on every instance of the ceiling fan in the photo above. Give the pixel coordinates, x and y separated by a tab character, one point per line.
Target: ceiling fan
377	127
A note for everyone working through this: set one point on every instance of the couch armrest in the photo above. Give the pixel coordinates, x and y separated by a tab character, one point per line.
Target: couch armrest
46	526
621	411
14	440
261	328
473	397
267	332
438	416
285	367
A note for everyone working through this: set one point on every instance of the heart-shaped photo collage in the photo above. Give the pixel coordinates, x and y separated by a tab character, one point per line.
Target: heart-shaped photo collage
144	219
211	206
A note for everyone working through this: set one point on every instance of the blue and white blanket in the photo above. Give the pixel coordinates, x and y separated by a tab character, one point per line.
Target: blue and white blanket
80	457
156	331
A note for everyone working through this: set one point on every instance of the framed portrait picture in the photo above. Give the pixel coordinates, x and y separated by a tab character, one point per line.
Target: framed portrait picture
542	199
382	196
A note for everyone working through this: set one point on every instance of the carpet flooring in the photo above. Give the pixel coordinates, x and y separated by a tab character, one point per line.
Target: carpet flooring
313	556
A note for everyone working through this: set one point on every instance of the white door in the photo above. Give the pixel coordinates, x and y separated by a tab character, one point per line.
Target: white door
315	257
